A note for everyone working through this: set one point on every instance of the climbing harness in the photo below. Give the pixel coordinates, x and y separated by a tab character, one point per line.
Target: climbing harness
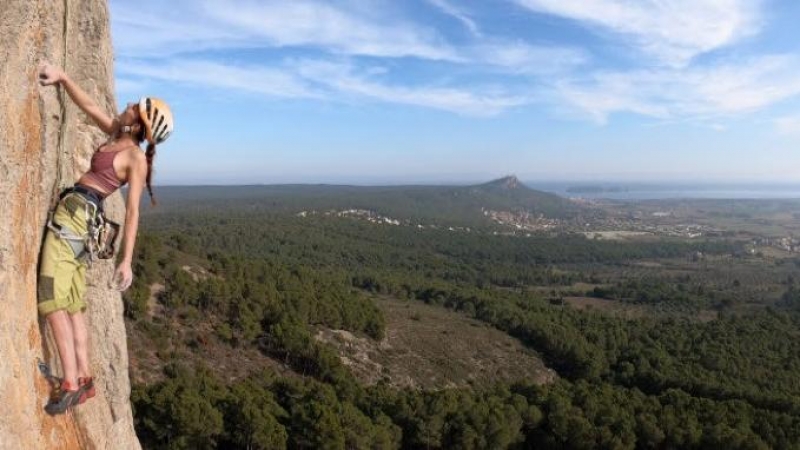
99	241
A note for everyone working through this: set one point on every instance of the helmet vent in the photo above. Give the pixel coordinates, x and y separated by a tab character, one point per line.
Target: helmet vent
157	118
158	132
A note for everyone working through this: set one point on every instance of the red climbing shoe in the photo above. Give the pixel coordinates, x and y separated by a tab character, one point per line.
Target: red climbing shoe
64	399
87	390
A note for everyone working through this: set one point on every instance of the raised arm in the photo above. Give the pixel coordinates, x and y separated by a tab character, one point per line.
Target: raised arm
50	74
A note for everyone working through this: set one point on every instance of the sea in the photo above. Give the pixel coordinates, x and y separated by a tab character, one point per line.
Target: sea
657	191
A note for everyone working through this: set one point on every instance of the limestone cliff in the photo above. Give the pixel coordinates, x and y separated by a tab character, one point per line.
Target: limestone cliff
46	142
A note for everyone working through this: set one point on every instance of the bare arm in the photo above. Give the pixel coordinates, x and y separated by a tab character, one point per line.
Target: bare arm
136	177
49	74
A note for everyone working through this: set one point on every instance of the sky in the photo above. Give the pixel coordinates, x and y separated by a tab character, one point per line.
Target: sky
449	91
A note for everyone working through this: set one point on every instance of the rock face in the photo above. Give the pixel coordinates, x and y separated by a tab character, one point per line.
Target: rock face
45	142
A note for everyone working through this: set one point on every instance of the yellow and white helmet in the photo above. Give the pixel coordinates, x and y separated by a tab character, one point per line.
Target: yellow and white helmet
157	119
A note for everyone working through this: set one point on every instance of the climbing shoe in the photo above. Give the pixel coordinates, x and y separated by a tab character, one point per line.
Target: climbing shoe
86	387
64	399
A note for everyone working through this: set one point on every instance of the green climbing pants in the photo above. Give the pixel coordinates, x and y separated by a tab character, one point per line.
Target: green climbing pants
62	275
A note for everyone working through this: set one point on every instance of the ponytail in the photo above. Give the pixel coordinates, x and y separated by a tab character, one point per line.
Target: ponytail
150	153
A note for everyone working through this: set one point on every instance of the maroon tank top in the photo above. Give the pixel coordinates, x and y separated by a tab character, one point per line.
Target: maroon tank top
102	173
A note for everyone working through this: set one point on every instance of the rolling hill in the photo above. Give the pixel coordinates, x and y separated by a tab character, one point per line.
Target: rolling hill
462	205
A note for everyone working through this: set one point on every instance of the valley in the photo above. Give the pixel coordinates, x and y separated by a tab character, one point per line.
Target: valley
418	314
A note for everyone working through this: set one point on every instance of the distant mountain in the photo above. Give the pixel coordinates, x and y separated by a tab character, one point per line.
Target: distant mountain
508	193
463	205
506	183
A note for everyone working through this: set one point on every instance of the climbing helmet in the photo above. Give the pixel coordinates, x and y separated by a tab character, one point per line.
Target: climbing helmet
157	118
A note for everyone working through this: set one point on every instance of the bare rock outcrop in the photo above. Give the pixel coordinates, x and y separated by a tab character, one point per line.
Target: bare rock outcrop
44	143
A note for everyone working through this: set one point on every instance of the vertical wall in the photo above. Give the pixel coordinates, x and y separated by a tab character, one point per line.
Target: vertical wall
45	142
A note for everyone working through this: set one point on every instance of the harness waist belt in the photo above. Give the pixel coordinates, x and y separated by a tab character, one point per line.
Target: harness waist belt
85	192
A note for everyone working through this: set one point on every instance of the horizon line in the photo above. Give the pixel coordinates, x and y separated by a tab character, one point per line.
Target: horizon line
479	181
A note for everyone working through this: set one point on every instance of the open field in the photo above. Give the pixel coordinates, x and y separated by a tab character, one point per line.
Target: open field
430	347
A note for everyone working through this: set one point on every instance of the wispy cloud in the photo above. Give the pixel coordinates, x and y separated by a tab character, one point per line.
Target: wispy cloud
174	47
157	32
521	58
334	28
152	31
789	125
673	31
345	79
328	81
148	29
271	82
360	51
701	92
447	8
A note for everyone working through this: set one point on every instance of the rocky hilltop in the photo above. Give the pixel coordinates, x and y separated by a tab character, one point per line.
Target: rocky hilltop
508	182
44	143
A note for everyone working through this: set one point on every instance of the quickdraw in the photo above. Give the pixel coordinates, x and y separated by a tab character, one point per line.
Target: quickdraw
103	234
44	368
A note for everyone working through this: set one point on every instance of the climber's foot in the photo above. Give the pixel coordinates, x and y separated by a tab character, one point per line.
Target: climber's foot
65	399
87	390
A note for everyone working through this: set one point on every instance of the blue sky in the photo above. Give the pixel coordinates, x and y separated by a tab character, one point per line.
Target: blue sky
425	91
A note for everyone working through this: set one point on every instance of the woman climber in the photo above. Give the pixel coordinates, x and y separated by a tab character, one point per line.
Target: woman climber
68	243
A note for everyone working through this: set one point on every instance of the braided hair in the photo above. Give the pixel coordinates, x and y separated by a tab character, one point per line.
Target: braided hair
150	154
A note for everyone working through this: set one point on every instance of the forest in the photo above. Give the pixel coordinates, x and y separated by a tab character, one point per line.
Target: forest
710	360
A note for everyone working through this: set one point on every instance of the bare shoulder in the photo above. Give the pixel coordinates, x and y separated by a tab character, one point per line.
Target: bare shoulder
136	156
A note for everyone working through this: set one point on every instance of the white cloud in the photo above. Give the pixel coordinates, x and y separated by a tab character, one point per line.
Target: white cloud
673	31
700	94
344	79
324	80
170	42
789	125
521	58
459	15
723	90
270	82
150	28
160	30
337	29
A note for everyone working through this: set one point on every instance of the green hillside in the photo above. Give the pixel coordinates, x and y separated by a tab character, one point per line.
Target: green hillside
251	328
446	205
